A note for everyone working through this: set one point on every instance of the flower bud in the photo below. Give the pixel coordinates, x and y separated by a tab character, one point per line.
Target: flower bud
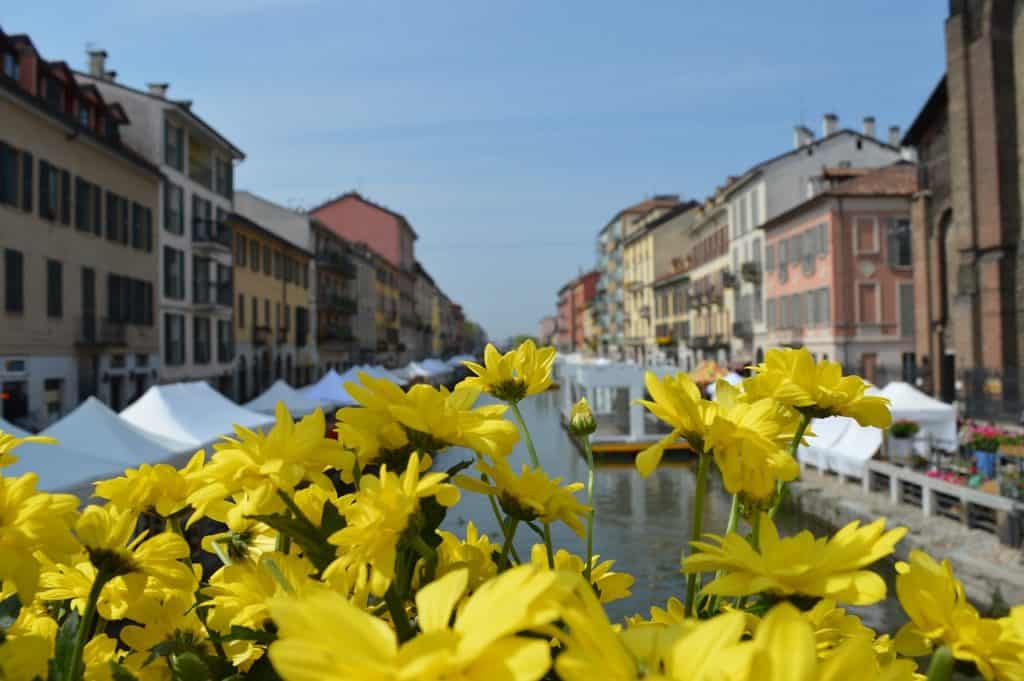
581	420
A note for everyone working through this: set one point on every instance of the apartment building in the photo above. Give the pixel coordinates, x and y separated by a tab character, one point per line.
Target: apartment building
364	320
427	300
638	275
775	186
710	309
389	235
194	243
610	320
566	315
337	298
839	274
78	255
672	260
547	328
273	315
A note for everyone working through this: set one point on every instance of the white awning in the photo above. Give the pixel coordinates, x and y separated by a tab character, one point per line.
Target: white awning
61	469
935	418
297	403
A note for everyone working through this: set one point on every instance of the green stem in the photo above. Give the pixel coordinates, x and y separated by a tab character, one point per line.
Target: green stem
221	553
428	554
357	471
526	435
734	516
398	615
547	544
697	527
585	441
497	513
76	668
941	667
275	572
755	531
509	534
805	420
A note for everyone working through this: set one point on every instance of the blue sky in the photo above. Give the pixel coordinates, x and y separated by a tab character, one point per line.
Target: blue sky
508	133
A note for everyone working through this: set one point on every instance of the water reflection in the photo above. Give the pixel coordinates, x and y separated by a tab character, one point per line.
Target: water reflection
641	523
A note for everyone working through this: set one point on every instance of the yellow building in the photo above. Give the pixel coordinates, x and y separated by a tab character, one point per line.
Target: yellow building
638	276
272	308
389	347
710	305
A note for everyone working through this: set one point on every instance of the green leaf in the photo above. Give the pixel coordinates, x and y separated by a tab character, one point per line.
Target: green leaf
262	671
239	633
304	533
188	667
60	666
459	467
120	673
9	609
331	520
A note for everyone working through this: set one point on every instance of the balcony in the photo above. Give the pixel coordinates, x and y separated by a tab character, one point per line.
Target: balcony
645	311
743	329
336	262
335	335
98	333
728	280
210	236
634	285
261	336
211	294
338	303
682	331
750	272
282	335
700	342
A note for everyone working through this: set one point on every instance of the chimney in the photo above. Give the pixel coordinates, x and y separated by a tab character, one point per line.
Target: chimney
802	136
829	124
894	135
97	63
869	126
158	89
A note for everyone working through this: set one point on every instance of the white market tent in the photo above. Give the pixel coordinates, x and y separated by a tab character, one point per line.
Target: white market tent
12	429
936	419
826	434
61	469
732	378
95	428
331	388
379	372
193	412
298	404
436	367
456	361
841	445
413	370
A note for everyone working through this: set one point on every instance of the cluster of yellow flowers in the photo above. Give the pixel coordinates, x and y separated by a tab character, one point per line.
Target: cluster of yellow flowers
296	556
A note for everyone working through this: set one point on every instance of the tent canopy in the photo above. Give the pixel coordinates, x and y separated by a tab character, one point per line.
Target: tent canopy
331	388
840	444
95	427
456	361
297	403
933	416
61	469
14	430
192	412
436	367
377	372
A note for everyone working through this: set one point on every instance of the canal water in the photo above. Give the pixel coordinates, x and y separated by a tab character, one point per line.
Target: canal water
640	523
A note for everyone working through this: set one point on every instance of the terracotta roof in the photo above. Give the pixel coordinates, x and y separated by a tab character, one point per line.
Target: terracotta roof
844	173
898	179
647	205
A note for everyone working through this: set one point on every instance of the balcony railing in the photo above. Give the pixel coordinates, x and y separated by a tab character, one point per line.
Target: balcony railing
210	234
743	329
339	303
101	332
338	262
750	272
261	335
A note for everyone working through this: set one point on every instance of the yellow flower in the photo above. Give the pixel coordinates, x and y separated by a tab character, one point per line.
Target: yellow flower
239	595
161	488
9	442
482	644
748	440
475	554
581	419
673	614
24	658
376	516
106	533
792	377
172	618
516	374
939	613
289	454
824	568
32	524
99	652
610	586
677	401
245	538
530	495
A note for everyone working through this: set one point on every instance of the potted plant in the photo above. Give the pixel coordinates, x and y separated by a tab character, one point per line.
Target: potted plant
984	441
901	442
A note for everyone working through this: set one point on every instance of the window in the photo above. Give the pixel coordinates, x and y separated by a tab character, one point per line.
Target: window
97	210
898	243
301	326
14	291
174	339
113	216
8	175
11	68
867	303
906	300
174	273
202	211
266	312
65	197
174	208
27	173
305	276
241	311
83	205
201	340
138	227
147	228
241	249
225	342
266	259
223	177
174	146
278	265
83	114
255	312
48	191
54	289
865	235
769	258
129	300
200	162
202	291
254	255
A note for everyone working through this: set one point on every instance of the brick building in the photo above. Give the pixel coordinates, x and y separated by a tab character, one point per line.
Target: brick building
966	217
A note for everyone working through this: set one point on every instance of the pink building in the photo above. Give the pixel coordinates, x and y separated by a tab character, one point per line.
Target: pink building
357	218
838	273
583	290
566	316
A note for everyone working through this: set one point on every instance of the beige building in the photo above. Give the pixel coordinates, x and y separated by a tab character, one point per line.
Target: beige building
77	247
672	260
710	308
638	275
273	318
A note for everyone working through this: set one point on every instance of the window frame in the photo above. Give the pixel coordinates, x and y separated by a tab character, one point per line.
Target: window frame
857	220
